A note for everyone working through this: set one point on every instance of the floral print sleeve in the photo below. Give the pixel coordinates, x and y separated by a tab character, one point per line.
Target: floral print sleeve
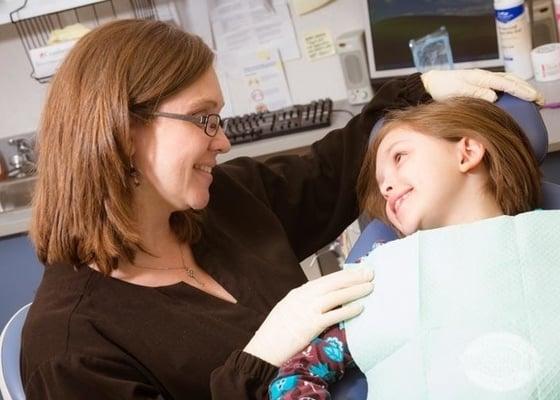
308	374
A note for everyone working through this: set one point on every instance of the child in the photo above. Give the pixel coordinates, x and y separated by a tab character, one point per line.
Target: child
430	166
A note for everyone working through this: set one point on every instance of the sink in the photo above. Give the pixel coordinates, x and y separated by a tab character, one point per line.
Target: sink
16	194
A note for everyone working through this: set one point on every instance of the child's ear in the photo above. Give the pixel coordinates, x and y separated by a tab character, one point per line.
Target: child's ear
470	153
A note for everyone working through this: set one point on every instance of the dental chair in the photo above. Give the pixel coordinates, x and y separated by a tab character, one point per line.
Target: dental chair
11	387
354	385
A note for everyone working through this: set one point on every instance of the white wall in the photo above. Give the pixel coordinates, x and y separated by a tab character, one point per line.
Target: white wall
323	78
21	97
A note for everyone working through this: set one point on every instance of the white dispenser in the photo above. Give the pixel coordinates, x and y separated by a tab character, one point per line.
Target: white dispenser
514	36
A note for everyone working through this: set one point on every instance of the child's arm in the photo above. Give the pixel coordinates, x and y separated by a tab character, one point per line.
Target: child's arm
309	372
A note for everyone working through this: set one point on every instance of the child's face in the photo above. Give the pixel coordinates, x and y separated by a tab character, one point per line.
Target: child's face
418	175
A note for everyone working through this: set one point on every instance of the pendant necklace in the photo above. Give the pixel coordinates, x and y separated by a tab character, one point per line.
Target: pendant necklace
188	270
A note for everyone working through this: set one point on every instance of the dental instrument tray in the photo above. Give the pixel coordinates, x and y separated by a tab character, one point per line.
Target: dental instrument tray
293	119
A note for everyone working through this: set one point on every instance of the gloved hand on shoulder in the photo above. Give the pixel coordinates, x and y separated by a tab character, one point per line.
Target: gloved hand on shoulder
477	83
308	310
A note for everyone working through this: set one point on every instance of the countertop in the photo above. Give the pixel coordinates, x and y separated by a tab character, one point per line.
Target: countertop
14	222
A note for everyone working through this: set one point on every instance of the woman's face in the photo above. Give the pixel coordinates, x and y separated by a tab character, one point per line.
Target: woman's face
175	158
419	178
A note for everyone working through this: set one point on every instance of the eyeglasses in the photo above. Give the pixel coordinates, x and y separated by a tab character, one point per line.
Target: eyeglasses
210	122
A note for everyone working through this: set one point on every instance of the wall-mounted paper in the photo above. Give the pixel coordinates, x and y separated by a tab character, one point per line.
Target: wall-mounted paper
249	25
318	44
255	80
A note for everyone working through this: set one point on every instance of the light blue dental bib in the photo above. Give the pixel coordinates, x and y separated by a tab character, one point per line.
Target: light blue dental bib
464	312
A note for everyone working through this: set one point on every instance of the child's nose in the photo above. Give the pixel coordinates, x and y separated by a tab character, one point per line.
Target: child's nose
386	190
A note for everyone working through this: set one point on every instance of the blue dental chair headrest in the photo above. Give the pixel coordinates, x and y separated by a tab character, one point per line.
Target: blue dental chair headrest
527	115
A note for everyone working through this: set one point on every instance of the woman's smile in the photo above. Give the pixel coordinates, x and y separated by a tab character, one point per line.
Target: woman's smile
203	168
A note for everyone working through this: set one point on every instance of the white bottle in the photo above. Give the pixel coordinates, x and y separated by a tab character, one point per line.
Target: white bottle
514	36
557	14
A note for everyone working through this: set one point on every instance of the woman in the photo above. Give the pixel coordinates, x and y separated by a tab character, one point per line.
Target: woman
166	275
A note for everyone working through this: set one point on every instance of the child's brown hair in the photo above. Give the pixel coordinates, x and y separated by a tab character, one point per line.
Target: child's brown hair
514	174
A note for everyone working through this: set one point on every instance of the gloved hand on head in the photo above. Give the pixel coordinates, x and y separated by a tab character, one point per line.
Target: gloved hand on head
477	83
308	310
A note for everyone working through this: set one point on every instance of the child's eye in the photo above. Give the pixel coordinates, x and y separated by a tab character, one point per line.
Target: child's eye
398	156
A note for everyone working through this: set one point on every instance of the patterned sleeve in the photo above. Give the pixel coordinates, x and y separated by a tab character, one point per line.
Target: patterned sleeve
308	373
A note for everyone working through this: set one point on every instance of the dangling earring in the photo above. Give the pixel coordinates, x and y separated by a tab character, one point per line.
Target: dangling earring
134	175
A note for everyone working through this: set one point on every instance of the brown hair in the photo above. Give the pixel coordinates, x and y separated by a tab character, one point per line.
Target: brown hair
116	74
514	174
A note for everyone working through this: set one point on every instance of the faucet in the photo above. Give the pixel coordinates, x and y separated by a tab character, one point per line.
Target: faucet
23	162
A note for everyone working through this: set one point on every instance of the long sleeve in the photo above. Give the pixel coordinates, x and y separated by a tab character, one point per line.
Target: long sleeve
84	377
308	374
243	376
314	196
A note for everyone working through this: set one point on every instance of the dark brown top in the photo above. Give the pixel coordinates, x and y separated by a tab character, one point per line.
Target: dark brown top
92	337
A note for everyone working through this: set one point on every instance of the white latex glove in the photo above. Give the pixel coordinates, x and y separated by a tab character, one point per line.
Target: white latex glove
477	83
308	310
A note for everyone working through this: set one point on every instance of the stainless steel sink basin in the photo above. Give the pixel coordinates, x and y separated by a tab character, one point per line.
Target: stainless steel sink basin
16	193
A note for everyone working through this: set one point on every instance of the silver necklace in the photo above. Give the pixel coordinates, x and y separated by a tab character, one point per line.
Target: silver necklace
188	270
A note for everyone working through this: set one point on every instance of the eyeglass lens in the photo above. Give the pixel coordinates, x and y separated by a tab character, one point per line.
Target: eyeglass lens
213	123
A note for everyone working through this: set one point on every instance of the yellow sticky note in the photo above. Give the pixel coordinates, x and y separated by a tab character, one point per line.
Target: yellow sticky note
318	44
